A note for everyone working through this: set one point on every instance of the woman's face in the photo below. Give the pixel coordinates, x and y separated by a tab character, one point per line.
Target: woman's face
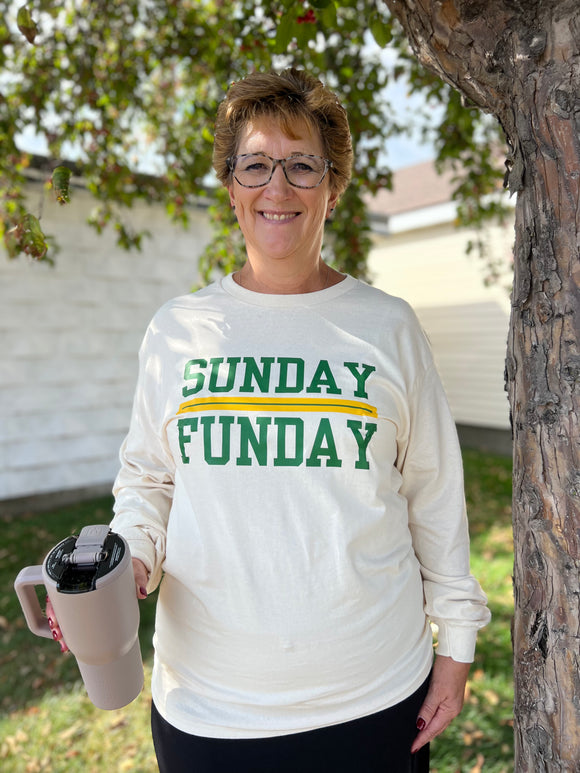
279	221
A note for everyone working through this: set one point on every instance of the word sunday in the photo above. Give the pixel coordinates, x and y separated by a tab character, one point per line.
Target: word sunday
235	386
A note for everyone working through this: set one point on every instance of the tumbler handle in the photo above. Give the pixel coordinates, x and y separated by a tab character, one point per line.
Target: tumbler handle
24	585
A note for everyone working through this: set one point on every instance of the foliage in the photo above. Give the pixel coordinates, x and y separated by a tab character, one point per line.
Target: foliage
48	724
114	85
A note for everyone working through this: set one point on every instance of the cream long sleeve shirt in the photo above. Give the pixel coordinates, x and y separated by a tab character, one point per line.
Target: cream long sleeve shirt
292	470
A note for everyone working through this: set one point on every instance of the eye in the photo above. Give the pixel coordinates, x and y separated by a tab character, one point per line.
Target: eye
301	166
305	166
253	164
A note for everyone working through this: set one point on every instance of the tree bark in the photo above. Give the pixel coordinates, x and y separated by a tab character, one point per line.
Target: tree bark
520	60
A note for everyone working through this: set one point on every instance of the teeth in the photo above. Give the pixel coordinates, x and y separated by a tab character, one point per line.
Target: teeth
273	216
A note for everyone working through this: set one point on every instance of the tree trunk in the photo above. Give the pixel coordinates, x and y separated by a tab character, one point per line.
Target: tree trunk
520	60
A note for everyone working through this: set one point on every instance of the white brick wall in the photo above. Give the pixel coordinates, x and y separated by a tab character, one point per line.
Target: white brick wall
69	337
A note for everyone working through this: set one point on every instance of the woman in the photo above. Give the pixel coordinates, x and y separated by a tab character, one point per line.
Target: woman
293	471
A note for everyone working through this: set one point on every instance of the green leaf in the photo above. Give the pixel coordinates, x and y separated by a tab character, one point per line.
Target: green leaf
380	31
27	237
284	32
34	243
60	184
328	17
305	33
26	24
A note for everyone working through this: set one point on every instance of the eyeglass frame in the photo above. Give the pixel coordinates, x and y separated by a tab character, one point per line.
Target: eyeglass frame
231	162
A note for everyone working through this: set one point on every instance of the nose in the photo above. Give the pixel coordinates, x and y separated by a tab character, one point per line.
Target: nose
278	183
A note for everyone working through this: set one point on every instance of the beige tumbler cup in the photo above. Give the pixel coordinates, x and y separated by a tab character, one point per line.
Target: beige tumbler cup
90	583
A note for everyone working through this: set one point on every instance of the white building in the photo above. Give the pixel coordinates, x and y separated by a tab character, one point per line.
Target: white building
420	255
69	334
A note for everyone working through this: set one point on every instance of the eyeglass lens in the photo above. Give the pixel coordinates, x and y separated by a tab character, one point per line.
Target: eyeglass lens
254	170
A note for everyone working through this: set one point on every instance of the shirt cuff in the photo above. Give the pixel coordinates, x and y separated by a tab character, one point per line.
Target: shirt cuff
142	548
456	642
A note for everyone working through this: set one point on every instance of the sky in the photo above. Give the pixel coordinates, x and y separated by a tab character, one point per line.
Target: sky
404	150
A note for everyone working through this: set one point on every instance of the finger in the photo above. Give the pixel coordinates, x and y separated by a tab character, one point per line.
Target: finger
52	621
54	626
429	708
429	731
57	636
141	578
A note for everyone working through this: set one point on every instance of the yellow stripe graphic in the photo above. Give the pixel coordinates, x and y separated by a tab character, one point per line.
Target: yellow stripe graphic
295	405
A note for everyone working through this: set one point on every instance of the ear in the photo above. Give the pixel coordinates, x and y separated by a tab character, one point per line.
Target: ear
332	202
232	199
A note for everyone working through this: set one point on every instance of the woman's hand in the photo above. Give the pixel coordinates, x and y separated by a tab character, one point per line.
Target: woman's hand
444	700
141	578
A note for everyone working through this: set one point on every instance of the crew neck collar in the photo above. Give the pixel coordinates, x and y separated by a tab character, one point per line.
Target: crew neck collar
287	301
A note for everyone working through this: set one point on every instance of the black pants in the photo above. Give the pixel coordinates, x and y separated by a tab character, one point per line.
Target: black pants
379	743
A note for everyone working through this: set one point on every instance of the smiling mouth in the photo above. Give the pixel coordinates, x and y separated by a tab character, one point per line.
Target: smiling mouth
279	217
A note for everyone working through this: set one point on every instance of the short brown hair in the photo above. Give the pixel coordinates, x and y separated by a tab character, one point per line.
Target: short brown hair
287	97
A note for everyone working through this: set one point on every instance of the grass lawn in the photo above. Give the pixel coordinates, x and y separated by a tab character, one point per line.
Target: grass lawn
48	724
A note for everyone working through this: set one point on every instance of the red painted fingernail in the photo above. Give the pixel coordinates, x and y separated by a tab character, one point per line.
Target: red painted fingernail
50	623
143	591
421	724
55	635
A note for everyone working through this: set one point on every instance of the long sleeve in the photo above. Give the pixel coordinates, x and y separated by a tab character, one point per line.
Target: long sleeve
433	486
144	486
